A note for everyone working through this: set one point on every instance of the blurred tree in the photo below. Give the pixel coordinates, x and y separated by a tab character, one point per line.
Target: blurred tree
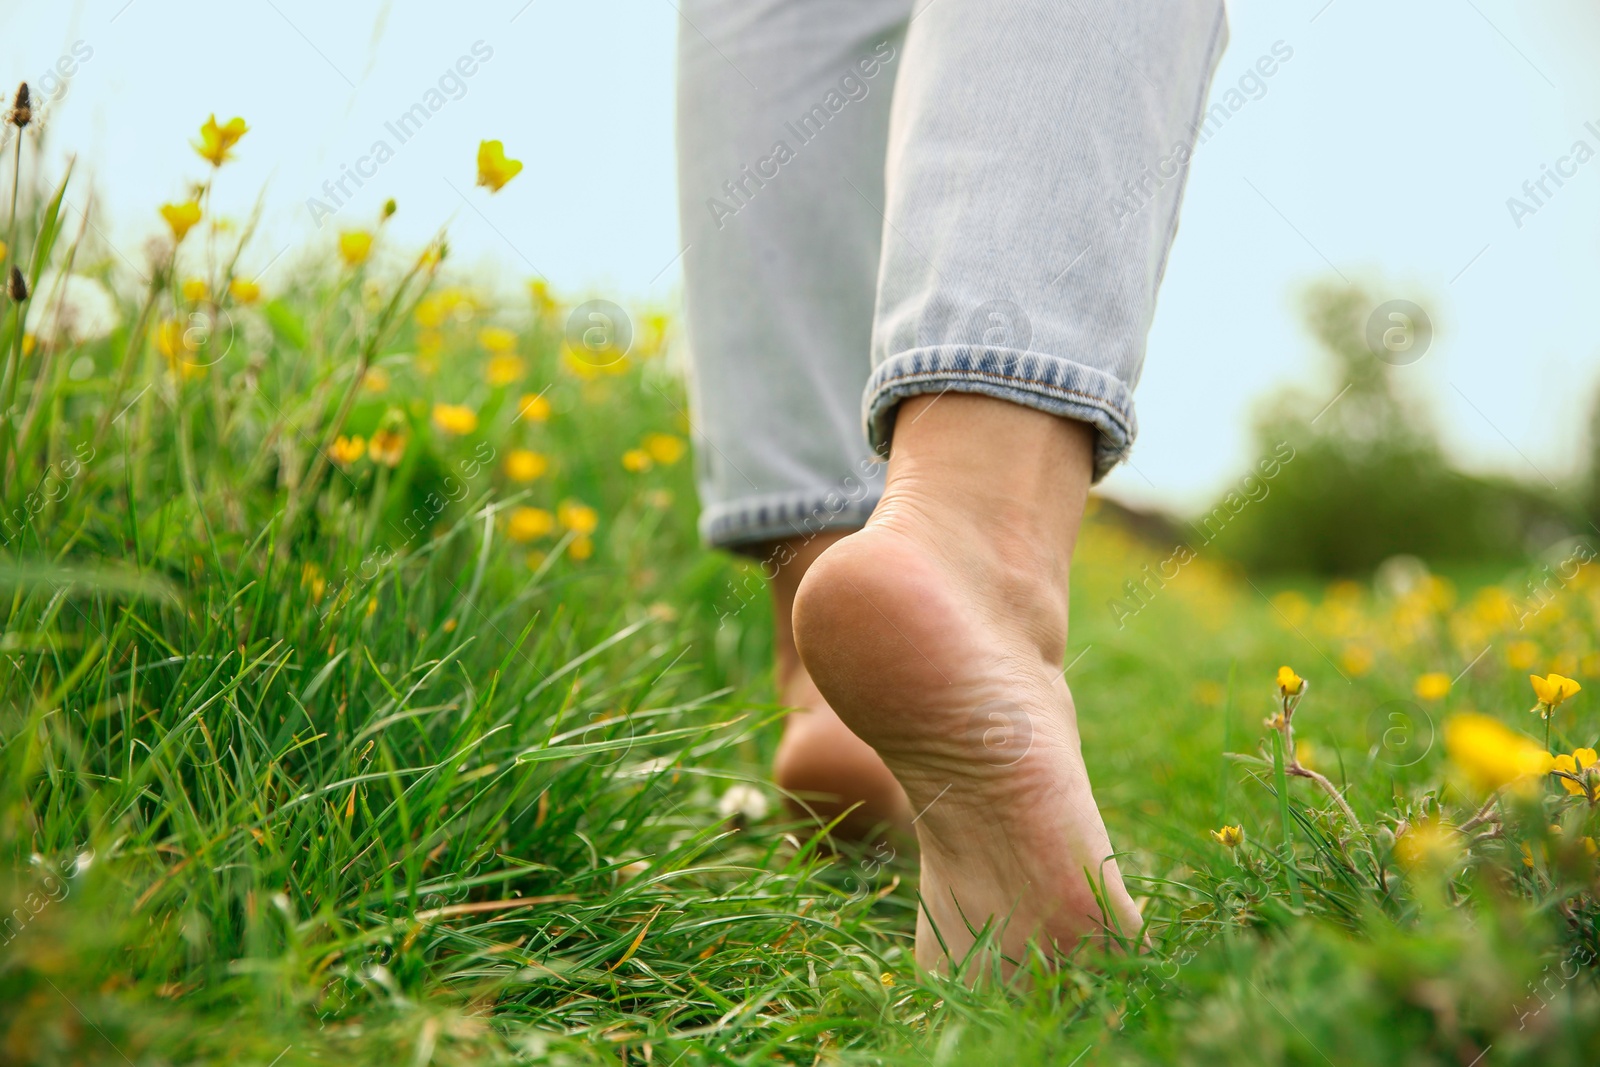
1367	478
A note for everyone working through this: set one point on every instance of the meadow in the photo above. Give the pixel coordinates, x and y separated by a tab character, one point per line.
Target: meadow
366	696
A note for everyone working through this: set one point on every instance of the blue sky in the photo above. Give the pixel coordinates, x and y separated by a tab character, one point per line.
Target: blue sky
1385	149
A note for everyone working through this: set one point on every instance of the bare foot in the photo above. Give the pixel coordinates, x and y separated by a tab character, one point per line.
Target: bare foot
937	634
827	770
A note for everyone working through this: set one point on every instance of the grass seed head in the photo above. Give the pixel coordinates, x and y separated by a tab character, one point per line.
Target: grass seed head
21	108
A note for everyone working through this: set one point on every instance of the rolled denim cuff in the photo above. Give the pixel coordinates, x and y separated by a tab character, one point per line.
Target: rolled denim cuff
1033	379
745	523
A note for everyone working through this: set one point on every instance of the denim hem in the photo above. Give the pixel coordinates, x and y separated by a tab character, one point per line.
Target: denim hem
751	521
1033	379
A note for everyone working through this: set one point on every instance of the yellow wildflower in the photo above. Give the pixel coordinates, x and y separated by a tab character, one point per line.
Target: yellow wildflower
1428	844
1228	836
430	311
533	407
1289	683
194	290
578	517
886	978
1432	686
581	548
216	142
665	448
1356	660
543	303
494	169
455	418
376	380
1521	655
355	246
497	339
1492	755
1552	691
244	291
311	578
174	344
1581	765
636	460
504	369
1304	754
1294	607
387	447
346	450
181	218
525	465
528	524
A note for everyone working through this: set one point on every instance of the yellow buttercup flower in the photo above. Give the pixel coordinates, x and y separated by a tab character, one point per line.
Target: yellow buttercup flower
216	142
1434	685
494	169
636	460
173	342
1289	683
504	369
1581	766
311	578
665	448
181	218
1428	844
244	291
497	339
543	303
376	380
387	447
1552	690
1228	836
1492	755
528	524
525	465
1521	655
533	407
455	418
355	246
578	517
1356	660
346	450
194	290
582	548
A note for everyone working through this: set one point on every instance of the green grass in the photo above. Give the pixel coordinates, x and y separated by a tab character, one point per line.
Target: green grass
302	763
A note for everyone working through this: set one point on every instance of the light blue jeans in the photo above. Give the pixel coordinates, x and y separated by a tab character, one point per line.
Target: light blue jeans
880	201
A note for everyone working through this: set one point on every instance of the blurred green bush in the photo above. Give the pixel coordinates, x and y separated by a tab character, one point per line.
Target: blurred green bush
1356	476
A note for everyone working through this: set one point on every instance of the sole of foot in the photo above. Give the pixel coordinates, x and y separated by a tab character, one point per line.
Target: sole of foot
828	774
930	648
